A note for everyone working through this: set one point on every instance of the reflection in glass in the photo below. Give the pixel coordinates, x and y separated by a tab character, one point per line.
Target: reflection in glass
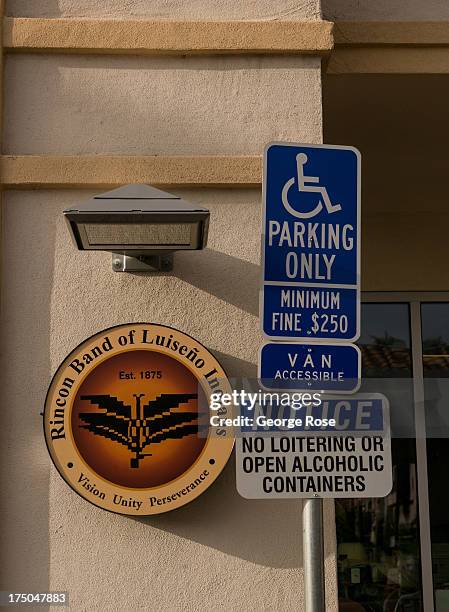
378	539
385	341
435	342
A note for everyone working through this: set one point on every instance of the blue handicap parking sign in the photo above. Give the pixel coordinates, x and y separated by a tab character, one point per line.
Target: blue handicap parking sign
311	243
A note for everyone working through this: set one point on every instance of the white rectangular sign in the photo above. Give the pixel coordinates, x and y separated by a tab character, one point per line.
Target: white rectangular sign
350	459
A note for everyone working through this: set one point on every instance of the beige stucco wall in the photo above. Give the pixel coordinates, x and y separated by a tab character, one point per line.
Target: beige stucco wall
221	551
385	10
168	9
175	105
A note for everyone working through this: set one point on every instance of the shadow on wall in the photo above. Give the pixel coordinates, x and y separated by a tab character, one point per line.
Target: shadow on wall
232	280
265	532
51	8
26	370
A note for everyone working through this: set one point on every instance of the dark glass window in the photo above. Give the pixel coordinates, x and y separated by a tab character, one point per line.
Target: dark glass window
435	342
378	551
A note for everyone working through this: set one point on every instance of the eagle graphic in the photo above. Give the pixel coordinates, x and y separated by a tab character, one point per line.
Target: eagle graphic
139	426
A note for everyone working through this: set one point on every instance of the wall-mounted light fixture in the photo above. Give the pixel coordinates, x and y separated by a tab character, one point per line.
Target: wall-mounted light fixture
141	226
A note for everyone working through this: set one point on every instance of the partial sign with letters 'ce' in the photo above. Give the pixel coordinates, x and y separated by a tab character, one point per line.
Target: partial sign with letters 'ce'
311	243
351	458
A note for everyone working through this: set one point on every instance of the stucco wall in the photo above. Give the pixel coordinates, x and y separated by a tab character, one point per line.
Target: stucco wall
385	10
168	9
122	105
219	552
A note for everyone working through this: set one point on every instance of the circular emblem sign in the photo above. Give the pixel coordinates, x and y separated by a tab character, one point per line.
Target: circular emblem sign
127	419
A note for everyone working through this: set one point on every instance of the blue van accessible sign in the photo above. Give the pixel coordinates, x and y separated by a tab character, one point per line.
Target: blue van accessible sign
321	367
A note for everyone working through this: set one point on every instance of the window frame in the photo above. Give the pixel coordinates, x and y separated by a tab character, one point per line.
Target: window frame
414	299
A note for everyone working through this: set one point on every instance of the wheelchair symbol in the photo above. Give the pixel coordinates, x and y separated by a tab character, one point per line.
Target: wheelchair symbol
303	180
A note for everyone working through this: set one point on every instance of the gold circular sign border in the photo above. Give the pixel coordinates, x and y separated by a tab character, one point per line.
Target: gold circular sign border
210	463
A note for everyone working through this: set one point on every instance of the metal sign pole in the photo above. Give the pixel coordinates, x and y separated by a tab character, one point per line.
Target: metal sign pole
320	183
313	555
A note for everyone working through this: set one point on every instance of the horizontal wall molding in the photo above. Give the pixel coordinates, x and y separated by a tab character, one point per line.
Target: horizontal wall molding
166	37
391	33
405	47
360	47
98	171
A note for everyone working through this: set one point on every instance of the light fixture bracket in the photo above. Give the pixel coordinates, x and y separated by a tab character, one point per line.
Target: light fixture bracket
142	263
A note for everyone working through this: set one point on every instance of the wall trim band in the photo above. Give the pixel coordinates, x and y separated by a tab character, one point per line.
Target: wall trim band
98	171
35	35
